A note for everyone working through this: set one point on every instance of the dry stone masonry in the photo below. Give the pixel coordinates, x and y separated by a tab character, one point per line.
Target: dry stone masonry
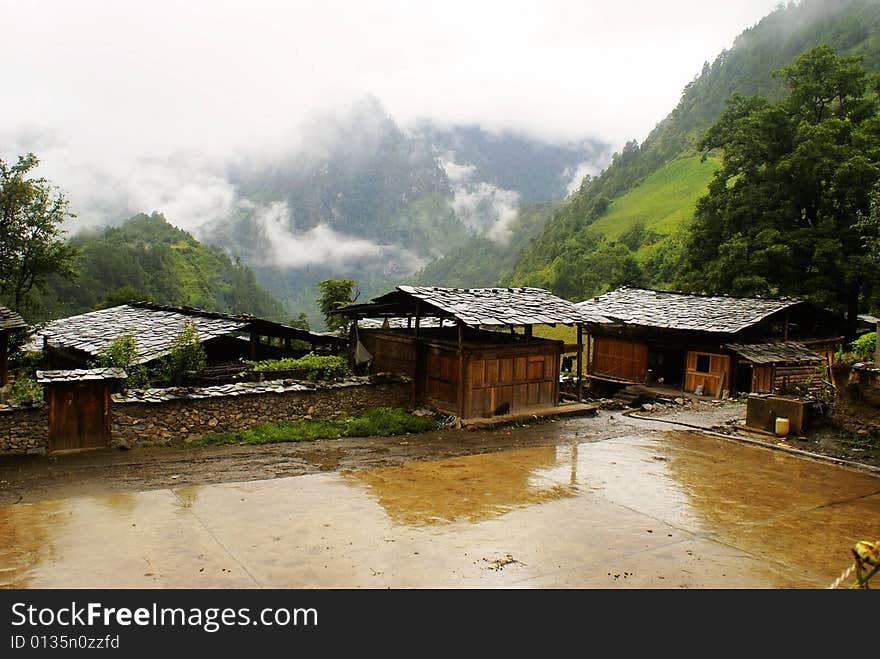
180	415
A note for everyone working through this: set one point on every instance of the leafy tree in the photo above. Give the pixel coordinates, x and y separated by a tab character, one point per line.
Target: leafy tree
122	295
782	213
336	293
32	212
300	321
185	356
123	353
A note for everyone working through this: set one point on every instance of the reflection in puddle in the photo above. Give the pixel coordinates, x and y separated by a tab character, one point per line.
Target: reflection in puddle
471	488
27	533
187	496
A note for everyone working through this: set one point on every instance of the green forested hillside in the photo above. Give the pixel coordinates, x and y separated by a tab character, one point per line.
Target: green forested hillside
146	258
641	182
482	262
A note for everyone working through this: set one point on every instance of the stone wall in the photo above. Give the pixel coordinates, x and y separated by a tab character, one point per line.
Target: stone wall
183	419
24	429
165	416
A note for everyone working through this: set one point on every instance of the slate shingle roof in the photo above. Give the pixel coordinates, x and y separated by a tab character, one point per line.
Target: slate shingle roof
80	374
482	306
9	320
683	311
775	353
153	329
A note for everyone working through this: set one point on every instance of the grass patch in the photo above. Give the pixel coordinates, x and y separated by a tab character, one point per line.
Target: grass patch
662	202
381	421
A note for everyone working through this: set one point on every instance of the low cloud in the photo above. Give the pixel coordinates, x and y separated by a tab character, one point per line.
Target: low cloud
487	209
575	175
457	173
320	245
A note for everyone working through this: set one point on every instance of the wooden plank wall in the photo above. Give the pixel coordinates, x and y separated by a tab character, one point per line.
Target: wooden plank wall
441	385
502	382
762	379
392	353
717	379
789	376
620	359
79	415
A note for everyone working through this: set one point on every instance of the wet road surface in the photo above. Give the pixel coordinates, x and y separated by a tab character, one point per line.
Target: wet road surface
641	508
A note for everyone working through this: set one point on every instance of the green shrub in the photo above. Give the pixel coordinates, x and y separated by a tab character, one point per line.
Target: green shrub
185	356
26	389
123	353
865	345
317	367
861	350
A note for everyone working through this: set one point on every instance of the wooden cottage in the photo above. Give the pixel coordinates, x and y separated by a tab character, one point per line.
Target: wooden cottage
9	322
708	344
469	360
75	341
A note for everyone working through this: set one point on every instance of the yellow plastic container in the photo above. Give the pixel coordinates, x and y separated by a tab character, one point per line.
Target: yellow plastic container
782	426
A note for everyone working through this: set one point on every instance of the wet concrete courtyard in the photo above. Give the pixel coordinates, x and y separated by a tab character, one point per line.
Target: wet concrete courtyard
642	509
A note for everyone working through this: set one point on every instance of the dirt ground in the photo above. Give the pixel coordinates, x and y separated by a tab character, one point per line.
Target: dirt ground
41	477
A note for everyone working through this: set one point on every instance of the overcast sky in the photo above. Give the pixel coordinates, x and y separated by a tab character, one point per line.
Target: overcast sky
95	87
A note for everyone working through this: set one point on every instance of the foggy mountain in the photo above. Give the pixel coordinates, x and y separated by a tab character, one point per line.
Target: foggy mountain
366	199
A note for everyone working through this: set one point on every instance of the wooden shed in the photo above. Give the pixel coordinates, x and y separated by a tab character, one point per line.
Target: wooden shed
9	322
777	366
684	341
79	406
470	361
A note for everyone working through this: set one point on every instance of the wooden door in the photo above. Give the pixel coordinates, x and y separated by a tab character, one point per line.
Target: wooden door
79	415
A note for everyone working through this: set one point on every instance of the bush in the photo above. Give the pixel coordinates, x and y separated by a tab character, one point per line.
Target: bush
26	389
123	353
865	345
861	350
185	356
316	367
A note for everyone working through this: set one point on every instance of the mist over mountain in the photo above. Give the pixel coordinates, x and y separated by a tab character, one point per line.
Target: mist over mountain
364	198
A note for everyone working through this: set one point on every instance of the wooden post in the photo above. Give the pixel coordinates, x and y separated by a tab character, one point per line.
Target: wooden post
3	355
460	369
877	351
580	361
418	357
255	342
785	329
528	333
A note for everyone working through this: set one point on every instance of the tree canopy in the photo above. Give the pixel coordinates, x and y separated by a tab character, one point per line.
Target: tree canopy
32	245
336	293
784	213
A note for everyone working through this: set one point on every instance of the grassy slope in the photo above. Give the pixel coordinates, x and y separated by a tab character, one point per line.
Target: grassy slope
662	202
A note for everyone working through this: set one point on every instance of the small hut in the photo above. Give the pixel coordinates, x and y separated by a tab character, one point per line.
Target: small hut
469	359
79	406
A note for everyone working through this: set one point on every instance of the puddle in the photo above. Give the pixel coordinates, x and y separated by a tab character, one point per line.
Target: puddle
470	489
646	510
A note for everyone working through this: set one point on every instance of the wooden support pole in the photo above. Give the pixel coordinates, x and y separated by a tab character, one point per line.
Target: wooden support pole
255	343
460	370
528	333
785	329
418	358
4	373
877	351
580	358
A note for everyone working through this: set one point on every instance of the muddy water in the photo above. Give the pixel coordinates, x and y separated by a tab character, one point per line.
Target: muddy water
647	510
